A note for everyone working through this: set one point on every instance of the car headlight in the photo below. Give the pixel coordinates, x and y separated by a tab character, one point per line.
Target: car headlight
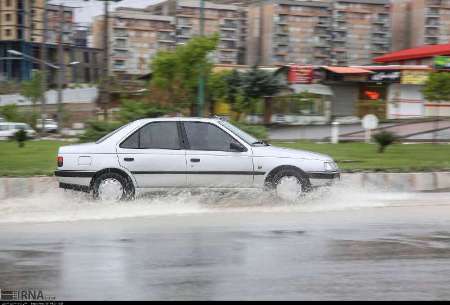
330	166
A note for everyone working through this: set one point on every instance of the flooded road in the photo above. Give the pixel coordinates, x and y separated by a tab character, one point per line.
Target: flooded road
342	244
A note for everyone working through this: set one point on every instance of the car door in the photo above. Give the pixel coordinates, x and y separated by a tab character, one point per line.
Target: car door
155	156
210	160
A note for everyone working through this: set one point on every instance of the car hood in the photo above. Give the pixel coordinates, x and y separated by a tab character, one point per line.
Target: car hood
281	152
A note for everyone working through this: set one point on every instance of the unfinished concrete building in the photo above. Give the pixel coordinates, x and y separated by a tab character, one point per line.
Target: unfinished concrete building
228	21
135	37
420	22
334	32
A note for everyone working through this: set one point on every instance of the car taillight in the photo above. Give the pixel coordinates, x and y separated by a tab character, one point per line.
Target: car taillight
60	161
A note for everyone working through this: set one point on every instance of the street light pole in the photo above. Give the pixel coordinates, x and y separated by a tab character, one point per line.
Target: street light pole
43	65
61	70
105	87
201	79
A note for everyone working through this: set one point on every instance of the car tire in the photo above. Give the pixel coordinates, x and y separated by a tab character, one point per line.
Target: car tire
119	187
293	178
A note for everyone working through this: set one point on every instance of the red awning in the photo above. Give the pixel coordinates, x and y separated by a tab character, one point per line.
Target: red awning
347	70
415	53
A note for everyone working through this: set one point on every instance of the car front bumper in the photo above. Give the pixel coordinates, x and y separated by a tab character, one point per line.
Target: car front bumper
318	179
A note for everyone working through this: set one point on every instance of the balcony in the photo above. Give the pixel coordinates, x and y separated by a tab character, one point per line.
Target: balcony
434	3
282	30
120	33
432	12
230	26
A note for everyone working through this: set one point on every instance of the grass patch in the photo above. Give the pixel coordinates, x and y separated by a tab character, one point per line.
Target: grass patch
39	157
397	157
36	158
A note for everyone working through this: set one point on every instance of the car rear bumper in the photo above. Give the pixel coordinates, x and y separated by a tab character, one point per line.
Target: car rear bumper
77	178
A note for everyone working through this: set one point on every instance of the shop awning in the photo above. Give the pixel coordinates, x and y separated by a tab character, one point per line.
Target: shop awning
312	88
347	70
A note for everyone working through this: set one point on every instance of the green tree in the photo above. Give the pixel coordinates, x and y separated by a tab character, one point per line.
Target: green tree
217	88
11	113
131	110
437	89
176	72
32	89
257	84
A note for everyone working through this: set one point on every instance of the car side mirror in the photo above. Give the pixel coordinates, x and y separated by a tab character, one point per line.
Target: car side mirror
237	147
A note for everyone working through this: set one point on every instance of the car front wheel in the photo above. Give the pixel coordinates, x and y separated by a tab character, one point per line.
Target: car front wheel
112	187
290	184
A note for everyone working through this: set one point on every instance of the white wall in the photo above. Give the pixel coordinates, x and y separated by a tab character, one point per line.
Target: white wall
405	101
79	95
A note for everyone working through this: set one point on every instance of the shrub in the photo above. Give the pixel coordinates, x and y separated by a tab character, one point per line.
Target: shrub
11	113
258	131
384	139
133	110
97	129
21	136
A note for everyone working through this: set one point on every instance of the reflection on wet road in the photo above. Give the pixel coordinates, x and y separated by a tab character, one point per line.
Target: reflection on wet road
341	245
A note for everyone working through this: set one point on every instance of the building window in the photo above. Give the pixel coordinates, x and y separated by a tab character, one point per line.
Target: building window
8	2
86	57
8	17
119	64
87	75
7	32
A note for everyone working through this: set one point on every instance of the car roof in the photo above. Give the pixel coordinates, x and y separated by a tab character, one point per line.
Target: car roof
171	119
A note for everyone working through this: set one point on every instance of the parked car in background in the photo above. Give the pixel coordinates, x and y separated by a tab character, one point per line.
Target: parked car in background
50	125
151	154
8	129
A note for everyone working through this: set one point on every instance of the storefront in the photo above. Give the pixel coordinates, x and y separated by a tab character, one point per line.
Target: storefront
405	97
306	102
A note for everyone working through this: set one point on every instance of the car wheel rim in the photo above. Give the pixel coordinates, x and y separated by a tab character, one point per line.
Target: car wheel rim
289	188
110	189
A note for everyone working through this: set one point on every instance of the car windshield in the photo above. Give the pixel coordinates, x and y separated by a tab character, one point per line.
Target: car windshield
249	139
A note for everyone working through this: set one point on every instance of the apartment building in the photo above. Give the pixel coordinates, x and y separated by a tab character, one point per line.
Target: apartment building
229	21
135	37
22	28
285	31
333	32
361	31
420	22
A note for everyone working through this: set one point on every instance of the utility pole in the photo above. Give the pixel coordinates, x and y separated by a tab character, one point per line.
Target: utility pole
43	66
62	67
201	80
105	84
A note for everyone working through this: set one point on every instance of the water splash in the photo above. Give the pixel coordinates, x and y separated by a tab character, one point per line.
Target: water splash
59	205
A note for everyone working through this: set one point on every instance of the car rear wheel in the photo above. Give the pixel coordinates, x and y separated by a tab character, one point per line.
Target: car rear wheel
112	187
290	184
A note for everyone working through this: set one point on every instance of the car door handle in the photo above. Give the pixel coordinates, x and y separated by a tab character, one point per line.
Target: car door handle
195	160
128	159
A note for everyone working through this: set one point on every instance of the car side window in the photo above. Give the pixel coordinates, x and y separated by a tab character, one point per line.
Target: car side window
205	136
157	135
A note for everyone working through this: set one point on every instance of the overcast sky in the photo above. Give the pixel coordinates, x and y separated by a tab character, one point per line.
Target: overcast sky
92	8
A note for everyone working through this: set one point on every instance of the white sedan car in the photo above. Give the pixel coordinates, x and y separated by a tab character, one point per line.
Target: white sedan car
155	154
